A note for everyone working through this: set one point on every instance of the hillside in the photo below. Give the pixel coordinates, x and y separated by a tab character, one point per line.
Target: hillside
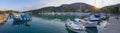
74	7
111	8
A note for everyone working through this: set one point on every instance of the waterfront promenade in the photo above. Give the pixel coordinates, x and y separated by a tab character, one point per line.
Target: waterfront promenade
113	25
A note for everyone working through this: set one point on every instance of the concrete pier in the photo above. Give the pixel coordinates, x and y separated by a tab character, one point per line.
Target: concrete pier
113	25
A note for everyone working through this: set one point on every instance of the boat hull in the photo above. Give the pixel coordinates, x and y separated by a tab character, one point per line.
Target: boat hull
75	30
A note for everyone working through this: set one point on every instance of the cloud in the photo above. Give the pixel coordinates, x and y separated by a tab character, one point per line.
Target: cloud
36	4
97	3
60	2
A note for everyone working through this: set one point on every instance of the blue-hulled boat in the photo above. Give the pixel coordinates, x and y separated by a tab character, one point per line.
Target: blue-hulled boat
21	17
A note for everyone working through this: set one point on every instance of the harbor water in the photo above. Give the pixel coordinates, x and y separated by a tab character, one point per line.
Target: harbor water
42	24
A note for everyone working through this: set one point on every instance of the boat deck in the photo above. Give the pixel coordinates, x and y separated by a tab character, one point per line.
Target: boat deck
113	25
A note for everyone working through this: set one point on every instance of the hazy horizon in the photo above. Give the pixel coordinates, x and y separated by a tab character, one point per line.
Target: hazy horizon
23	5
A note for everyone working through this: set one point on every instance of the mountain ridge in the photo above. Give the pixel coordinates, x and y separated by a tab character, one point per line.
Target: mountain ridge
74	7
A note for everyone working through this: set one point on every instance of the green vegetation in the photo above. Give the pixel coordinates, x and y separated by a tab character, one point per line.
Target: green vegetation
111	9
6	11
75	7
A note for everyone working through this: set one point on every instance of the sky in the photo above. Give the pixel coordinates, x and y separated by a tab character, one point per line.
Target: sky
24	5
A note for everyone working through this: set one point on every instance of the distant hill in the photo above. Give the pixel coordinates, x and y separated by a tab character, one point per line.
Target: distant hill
74	7
111	8
7	11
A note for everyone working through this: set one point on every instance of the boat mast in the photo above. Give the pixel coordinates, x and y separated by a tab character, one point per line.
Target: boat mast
95	5
102	3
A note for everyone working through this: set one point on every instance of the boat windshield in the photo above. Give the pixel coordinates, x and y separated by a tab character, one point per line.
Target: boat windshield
78	23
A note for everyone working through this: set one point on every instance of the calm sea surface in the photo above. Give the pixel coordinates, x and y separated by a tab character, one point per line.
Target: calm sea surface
41	24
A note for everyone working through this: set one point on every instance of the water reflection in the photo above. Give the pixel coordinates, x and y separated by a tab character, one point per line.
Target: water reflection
92	30
65	18
41	24
61	17
89	30
24	23
1	24
69	31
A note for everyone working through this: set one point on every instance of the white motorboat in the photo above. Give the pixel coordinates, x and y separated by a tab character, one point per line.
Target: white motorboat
88	23
98	17
76	26
79	25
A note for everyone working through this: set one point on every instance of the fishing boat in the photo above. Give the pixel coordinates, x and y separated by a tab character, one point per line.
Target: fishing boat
20	17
